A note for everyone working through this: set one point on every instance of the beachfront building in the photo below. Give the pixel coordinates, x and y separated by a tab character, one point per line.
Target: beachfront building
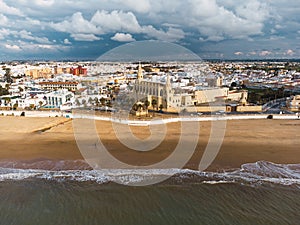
162	92
210	94
52	86
31	102
60	97
178	96
293	103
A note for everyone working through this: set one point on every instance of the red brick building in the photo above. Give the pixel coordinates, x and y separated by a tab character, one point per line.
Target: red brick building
79	71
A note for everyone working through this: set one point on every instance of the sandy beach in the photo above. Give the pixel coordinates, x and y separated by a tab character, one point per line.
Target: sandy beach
29	140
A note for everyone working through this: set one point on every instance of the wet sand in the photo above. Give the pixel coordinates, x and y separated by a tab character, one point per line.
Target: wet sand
246	141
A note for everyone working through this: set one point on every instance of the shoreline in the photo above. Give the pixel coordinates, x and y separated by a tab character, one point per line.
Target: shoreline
246	141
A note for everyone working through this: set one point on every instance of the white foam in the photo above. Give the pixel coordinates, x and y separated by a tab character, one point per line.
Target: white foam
254	173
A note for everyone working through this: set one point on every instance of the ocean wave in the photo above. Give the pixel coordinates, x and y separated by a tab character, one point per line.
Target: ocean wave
258	173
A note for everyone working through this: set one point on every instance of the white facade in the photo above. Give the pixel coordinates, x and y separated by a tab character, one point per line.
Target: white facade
164	93
60	97
36	101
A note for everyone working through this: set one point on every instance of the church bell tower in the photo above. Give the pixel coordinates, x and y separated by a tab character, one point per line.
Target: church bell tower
140	73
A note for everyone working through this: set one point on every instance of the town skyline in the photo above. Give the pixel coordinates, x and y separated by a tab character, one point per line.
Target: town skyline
75	30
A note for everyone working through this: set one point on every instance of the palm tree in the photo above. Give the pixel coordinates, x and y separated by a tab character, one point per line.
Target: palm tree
154	105
140	107
15	106
40	104
161	107
96	101
146	104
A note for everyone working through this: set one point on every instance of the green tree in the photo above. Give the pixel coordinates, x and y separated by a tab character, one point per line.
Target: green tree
233	84
7	76
102	100
109	104
77	101
135	107
15	106
90	100
3	91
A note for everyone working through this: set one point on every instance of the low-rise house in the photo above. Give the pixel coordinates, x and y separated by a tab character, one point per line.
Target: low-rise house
52	86
32	101
60	97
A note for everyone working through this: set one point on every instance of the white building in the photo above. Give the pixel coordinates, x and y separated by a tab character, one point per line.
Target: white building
33	102
293	103
60	97
180	95
162	92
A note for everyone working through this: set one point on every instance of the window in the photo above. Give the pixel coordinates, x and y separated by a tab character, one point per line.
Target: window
161	93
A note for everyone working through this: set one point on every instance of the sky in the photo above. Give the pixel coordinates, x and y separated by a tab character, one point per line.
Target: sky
213	29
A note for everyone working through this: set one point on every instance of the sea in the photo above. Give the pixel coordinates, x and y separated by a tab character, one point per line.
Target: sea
257	193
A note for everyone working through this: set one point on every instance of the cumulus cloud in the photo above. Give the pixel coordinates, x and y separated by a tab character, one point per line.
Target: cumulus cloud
172	34
37	48
289	52
253	10
214	20
239	53
4	33
29	36
33	22
116	21
142	6
265	53
121	37
8	10
67	42
12	47
44	3
77	24
226	24
104	22
85	37
218	24
3	20
23	35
